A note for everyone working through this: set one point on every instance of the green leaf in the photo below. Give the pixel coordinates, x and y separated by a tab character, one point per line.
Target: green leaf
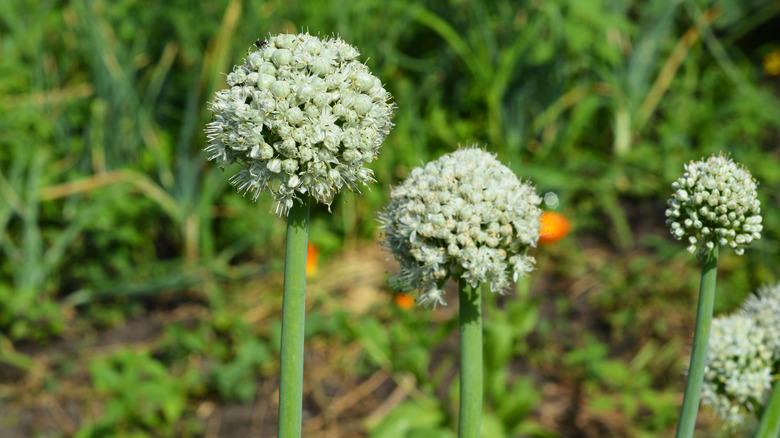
492	426
412	419
520	400
374	339
498	340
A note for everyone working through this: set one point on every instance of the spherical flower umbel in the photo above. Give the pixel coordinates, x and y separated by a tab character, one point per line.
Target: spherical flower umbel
738	375
764	308
300	116
465	215
715	203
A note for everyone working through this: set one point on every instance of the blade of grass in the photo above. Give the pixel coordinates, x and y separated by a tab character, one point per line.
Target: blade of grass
669	70
453	38
141	182
10	356
142	281
714	45
32	245
215	60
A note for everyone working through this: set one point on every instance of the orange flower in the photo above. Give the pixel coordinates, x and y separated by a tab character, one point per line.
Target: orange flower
403	301
554	227
312	256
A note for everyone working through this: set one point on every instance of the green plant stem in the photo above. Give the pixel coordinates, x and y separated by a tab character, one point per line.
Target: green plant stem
701	336
293	317
769	427
470	361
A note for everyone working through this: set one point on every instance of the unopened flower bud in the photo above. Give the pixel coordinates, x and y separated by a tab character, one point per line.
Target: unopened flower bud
281	57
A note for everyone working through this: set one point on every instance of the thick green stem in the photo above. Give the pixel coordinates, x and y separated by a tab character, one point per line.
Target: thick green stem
769	427
701	338
470	361
293	317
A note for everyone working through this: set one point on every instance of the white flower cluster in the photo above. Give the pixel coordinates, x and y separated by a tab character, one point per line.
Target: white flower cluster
715	203
764	308
738	376
465	215
301	115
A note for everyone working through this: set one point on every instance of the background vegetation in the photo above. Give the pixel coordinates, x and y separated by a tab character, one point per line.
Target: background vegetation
140	296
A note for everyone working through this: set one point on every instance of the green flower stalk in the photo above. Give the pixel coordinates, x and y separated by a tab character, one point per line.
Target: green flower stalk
464	216
470	419
293	321
715	203
300	117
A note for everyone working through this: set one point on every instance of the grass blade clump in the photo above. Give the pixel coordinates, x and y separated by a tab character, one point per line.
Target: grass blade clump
300	117
715	203
464	216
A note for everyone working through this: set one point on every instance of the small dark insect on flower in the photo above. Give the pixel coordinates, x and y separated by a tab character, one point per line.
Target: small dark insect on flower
260	44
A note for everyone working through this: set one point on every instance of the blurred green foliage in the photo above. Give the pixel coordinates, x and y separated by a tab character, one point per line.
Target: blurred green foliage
142	397
233	354
108	209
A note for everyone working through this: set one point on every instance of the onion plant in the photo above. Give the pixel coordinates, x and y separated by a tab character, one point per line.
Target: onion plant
467	217
714	204
764	308
738	375
300	117
743	362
